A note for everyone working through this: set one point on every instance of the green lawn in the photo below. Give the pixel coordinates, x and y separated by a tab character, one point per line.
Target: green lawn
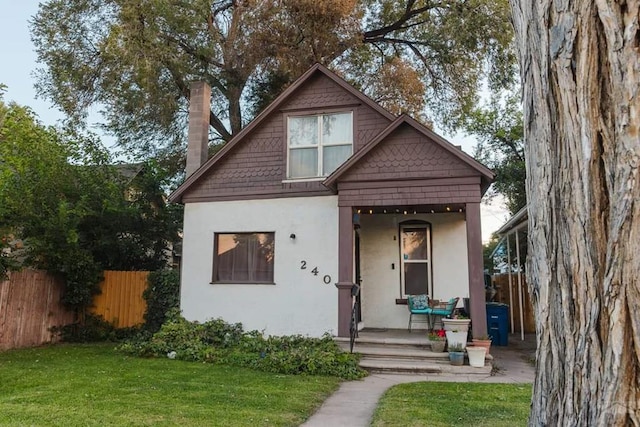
437	404
85	385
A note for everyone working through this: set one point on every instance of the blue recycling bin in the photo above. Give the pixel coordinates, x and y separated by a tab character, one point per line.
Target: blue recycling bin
498	323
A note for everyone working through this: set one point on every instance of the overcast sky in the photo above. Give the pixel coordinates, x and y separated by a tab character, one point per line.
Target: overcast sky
19	63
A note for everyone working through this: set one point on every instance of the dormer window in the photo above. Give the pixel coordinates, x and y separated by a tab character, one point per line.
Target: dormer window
318	144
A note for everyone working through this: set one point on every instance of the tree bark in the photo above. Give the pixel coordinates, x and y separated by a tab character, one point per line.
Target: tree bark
580	69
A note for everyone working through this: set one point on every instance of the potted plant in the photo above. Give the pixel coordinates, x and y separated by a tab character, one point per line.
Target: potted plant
456	354
483	341
457	322
476	356
455	337
438	340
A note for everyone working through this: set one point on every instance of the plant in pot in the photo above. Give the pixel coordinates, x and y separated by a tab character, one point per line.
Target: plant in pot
456	354
483	341
437	340
455	337
457	322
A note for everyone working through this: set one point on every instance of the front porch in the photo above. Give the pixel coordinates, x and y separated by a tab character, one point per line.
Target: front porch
392	251
401	352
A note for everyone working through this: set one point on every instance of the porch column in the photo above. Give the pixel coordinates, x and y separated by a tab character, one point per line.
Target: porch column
476	271
345	269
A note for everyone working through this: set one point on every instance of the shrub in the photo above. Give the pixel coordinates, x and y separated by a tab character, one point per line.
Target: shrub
162	294
93	328
218	342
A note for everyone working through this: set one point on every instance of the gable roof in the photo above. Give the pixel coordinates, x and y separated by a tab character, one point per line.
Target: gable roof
486	174
317	68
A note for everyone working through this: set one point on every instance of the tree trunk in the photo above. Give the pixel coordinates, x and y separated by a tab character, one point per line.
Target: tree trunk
580	68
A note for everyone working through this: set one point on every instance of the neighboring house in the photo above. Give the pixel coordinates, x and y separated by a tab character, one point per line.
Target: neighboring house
324	189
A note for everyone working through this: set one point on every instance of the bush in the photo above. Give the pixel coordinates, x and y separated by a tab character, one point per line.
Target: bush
94	328
162	294
218	342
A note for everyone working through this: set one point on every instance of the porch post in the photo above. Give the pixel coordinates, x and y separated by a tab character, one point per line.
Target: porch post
476	271
345	269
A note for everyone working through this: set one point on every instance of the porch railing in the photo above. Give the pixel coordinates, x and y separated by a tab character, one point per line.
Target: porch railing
353	326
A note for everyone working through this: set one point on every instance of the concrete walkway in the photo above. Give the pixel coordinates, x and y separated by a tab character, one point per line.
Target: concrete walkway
353	404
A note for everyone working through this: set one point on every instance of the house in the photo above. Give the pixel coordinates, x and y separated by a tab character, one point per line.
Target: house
324	189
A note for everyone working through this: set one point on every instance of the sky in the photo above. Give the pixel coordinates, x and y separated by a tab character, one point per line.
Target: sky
19	64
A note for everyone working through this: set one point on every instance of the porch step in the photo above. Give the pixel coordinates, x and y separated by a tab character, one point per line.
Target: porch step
419	343
398	353
398	367
407	355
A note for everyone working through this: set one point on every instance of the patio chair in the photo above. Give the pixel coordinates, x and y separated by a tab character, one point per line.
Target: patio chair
418	304
442	311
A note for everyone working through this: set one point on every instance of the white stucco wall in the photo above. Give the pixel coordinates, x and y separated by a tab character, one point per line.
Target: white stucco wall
379	249
299	302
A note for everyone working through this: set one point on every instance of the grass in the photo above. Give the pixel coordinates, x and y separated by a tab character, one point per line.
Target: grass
438	404
92	385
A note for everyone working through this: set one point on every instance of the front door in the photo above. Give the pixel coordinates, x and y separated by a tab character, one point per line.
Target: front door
415	252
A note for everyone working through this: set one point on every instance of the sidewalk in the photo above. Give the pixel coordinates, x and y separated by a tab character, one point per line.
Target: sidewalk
353	404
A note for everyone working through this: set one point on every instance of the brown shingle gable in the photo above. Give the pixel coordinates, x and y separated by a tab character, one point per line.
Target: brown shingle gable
408	150
291	99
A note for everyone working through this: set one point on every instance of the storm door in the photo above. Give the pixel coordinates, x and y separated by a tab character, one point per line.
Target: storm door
415	253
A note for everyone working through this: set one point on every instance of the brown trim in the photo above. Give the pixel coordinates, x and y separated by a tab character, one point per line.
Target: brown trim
476	271
242	283
345	269
416	182
176	196
486	174
230	197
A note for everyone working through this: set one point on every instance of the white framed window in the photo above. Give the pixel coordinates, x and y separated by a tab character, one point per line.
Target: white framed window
415	254
317	145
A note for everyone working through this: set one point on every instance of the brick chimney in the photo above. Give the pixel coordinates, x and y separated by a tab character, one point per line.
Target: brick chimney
198	135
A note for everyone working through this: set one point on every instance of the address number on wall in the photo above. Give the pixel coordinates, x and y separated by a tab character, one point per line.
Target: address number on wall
326	278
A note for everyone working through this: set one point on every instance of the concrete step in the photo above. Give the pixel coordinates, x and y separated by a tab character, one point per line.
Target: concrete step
406	353
400	367
418	342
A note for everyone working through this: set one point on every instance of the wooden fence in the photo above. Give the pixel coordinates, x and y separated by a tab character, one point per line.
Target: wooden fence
121	299
30	305
501	282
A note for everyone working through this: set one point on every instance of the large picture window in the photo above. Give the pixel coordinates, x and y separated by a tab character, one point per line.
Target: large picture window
243	258
318	144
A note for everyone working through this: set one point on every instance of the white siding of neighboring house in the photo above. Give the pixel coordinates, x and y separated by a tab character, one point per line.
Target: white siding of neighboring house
299	302
379	248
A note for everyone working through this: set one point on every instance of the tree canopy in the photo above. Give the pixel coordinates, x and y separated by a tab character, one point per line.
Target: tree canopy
500	133
66	209
136	58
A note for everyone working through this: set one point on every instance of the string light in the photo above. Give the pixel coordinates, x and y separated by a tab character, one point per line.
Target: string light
370	211
448	208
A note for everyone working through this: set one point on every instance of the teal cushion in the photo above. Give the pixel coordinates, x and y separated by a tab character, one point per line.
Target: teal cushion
418	302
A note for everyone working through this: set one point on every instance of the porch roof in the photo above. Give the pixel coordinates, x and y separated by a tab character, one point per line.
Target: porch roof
486	175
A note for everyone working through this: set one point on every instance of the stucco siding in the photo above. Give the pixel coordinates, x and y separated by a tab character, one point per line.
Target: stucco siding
379	249
299	302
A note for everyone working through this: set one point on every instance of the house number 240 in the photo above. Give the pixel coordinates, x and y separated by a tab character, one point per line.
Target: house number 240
326	279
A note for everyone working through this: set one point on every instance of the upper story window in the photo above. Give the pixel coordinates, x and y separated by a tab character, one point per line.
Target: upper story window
318	144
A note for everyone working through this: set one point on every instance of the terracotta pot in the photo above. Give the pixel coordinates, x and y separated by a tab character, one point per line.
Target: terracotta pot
482	343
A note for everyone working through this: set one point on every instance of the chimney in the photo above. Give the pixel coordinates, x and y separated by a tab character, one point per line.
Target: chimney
198	135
